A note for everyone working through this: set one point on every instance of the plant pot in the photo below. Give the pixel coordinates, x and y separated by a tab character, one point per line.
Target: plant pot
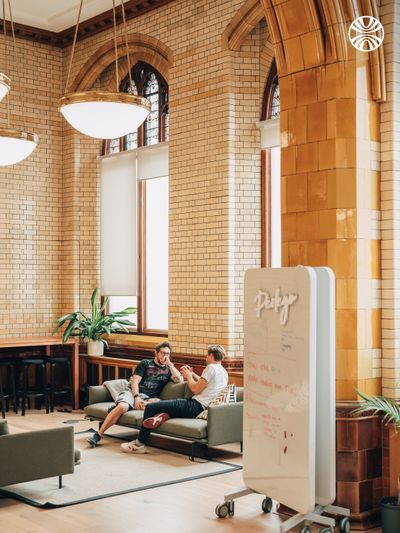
390	514
95	348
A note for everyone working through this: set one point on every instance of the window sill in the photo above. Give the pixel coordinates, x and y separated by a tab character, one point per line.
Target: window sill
135	340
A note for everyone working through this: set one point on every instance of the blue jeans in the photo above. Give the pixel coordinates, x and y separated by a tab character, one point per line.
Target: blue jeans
175	408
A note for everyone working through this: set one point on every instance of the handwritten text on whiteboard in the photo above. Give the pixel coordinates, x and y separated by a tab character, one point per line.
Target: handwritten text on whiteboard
279	303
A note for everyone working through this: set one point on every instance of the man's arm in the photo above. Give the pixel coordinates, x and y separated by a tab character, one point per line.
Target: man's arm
139	403
195	385
175	374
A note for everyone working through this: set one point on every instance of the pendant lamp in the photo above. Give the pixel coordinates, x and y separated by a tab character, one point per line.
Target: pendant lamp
4	85
102	114
15	145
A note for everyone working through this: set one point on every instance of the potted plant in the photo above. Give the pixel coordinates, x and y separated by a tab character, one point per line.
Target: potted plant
390	505
90	328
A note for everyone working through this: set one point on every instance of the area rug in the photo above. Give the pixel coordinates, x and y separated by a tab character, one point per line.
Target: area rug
105	471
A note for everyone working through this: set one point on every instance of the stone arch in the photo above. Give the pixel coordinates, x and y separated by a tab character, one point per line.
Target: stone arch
243	22
141	47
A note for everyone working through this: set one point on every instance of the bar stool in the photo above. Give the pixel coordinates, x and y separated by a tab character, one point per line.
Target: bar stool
39	388
8	392
60	390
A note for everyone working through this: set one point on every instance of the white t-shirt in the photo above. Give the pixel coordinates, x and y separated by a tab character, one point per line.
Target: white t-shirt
217	378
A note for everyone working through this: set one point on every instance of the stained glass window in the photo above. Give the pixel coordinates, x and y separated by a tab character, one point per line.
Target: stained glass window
147	82
275	100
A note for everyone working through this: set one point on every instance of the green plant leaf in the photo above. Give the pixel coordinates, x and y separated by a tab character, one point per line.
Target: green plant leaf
379	405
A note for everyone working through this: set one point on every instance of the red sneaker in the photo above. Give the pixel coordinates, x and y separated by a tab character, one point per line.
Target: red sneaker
155	421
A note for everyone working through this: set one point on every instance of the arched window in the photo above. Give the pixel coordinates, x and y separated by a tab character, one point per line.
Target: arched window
147	82
271	101
271	254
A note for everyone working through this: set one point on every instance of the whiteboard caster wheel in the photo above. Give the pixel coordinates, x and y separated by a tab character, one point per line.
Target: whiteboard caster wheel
326	530
266	505
222	510
344	525
305	529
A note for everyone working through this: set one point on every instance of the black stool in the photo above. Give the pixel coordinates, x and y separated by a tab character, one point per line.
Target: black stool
60	391
39	389
9	392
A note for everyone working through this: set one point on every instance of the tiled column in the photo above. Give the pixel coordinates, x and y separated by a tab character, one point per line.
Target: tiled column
330	202
390	204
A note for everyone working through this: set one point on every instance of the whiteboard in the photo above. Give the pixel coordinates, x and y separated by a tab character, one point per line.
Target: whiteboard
325	482
280	382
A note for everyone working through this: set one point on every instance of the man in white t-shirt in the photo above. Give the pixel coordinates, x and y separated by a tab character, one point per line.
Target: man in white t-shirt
205	388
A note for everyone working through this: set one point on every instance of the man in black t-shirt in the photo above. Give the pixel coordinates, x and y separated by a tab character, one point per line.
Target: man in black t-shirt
145	385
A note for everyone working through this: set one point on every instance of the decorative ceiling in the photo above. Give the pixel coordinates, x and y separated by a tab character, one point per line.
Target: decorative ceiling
53	21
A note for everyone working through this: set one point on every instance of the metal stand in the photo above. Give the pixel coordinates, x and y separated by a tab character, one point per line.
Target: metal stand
228	509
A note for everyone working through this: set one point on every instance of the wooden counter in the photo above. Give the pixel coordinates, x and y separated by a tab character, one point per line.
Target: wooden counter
47	342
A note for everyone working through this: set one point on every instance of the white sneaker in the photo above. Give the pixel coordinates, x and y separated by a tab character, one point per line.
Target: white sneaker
132	447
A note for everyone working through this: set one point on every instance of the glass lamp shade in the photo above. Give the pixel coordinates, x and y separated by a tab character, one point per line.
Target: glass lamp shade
16	145
104	115
4	85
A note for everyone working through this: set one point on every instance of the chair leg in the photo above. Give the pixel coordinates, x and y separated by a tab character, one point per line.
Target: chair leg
24	389
60	482
241	446
71	387
3	403
14	389
44	388
52	386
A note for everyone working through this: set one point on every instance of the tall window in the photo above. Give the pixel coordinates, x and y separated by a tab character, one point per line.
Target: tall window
147	82
151	208
271	173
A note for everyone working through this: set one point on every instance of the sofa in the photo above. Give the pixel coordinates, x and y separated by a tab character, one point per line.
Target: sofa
223	426
36	454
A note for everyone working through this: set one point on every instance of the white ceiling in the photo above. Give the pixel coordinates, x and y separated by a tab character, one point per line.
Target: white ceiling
55	15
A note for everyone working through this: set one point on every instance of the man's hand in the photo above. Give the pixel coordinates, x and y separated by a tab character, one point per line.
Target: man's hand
139	403
186	371
167	361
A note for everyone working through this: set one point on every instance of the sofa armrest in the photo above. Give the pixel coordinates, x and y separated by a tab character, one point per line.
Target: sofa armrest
36	455
225	423
98	394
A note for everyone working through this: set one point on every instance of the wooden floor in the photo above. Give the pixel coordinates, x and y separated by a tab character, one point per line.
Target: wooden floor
183	508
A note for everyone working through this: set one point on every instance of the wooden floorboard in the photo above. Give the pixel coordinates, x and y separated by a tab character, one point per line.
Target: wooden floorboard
183	508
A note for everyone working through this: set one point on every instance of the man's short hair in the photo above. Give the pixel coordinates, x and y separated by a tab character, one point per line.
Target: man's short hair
217	351
163	345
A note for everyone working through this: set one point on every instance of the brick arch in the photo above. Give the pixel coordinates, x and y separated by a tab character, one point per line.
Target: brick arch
141	47
306	34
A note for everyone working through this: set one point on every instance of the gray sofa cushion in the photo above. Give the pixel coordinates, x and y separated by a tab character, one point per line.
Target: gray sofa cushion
172	391
4	427
98	410
190	428
132	418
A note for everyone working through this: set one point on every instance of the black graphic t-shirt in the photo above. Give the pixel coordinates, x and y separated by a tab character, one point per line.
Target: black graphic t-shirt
154	377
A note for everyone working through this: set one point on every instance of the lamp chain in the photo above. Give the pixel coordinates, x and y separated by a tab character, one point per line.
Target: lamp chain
115	47
73	46
21	100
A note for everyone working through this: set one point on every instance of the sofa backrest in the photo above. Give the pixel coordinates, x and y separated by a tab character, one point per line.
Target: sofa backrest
172	391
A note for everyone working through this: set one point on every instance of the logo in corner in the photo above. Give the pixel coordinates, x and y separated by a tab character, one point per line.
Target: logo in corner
366	34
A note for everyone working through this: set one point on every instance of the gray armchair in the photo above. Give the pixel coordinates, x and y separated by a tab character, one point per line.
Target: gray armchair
35	454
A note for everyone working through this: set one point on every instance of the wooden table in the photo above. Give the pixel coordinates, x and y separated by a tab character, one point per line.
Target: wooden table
47	342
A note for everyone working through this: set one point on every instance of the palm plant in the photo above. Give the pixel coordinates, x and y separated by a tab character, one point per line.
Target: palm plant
379	405
92	327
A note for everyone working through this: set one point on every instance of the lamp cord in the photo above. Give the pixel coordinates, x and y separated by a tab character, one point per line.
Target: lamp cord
115	47
127	48
6	61
14	40
73	46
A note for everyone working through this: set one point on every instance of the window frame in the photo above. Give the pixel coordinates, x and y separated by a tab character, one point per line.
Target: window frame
266	224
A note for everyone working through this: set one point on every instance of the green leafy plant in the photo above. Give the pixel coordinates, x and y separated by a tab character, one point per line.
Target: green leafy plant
92	327
379	405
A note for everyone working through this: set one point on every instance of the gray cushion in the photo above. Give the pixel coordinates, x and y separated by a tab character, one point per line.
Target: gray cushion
132	418
116	386
98	410
172	391
191	428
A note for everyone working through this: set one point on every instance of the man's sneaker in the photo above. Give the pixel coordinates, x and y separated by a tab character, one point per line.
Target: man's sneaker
94	439
155	421
132	447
